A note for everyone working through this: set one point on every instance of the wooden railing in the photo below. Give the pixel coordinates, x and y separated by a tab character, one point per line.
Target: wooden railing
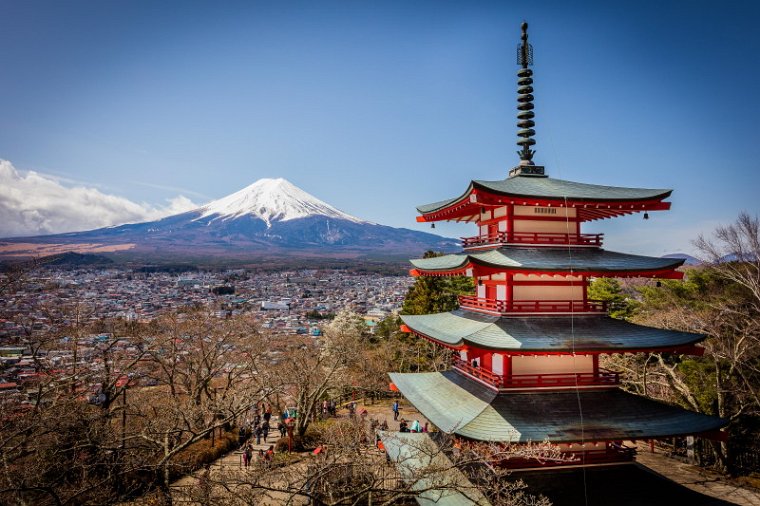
604	377
532	306
549	380
478	372
543	238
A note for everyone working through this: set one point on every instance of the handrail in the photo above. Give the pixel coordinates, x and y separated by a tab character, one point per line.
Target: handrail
547	238
478	372
604	377
532	306
540	380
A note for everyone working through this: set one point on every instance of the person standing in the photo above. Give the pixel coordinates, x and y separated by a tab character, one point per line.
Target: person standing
269	456
247	454
395	410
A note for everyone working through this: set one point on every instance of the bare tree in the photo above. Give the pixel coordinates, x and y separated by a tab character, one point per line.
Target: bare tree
721	300
206	378
348	469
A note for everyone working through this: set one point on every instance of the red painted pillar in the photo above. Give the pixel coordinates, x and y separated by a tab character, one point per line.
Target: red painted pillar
487	361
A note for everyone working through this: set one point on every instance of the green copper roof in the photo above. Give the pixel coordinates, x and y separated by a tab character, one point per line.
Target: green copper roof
457	404
548	333
429	471
546	187
549	259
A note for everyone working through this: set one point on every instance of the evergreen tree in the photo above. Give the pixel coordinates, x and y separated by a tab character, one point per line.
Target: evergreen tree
610	290
435	294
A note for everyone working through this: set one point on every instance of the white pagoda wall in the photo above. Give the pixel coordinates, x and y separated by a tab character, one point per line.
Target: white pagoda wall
552	364
560	220
541	226
523	292
497	363
555	212
572	291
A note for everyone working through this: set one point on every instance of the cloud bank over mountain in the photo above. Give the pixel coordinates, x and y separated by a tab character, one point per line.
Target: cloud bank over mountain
34	204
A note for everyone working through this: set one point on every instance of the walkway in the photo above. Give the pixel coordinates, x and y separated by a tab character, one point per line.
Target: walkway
698	479
665	478
190	490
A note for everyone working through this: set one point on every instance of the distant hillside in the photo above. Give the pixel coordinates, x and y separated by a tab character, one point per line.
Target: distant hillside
72	259
690	260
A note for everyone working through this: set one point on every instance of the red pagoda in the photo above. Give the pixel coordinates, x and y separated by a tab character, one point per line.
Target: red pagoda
527	343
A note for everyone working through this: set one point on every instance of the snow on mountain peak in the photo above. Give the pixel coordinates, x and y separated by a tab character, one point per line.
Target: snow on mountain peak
272	200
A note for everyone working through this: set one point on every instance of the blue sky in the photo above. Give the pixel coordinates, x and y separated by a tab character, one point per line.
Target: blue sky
378	107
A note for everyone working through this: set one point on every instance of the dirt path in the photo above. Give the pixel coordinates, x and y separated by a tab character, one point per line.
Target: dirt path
199	487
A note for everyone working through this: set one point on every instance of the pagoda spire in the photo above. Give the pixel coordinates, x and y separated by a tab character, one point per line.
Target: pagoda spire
525	114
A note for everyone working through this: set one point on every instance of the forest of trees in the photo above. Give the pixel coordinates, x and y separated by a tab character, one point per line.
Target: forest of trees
172	393
721	300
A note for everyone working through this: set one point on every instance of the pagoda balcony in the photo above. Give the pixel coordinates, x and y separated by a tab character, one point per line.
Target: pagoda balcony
544	380
533	238
581	379
527	307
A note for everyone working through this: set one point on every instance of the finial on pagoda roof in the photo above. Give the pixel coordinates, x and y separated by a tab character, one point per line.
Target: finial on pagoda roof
525	114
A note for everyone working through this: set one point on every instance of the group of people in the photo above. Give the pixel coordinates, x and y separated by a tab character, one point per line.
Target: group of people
263	458
404	426
260	425
259	428
329	408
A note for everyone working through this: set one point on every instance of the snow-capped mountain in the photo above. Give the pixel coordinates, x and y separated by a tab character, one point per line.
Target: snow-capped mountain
270	218
273	200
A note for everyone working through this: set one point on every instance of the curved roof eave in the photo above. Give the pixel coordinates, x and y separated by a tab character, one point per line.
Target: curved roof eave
572	190
533	187
549	259
461	405
436	206
556	334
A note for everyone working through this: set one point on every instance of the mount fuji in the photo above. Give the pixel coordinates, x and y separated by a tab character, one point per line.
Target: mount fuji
270	218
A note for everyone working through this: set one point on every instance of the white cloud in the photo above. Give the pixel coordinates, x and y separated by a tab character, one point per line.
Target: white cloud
35	204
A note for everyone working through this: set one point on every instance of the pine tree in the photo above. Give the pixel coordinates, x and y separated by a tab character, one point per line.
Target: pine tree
435	294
